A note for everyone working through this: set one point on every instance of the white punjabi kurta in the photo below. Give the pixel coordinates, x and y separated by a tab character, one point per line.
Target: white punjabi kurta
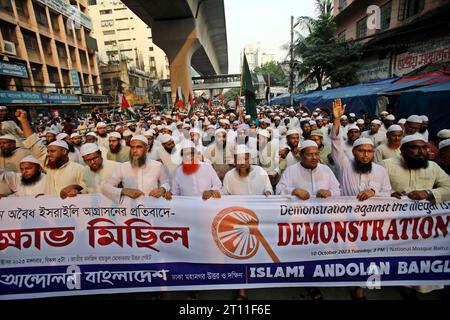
352	182
70	173
256	183
377	138
195	184
14	182
311	180
170	161
122	156
406	180
383	152
94	180
146	178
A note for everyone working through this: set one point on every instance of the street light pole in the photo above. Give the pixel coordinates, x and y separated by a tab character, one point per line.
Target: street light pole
291	64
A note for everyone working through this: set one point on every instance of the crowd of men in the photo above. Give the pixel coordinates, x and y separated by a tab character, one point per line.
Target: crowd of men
285	151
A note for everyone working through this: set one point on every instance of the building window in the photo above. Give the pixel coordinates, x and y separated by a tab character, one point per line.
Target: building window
124	40
409	8
109	32
21	7
41	16
119	9
121	19
123	29
61	51
109	11
385	16
361	28
30	41
151	48
107	23
111	43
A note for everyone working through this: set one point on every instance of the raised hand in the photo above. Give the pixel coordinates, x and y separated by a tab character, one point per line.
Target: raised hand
338	109
21	115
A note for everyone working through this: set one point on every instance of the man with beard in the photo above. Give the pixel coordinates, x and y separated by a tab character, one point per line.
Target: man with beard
169	155
117	151
10	154
444	155
414	176
294	123
424	127
139	176
413	124
353	134
374	133
359	177
278	129
91	137
50	136
97	170
102	135
194	177
76	140
325	149
195	136
30	181
220	154
152	144
391	148
290	154
8	126
268	156
306	130
74	154
64	177
243	138
309	176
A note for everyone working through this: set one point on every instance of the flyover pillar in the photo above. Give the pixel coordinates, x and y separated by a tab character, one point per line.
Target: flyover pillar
179	40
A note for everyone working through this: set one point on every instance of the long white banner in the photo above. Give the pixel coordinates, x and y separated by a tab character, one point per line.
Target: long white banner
90	245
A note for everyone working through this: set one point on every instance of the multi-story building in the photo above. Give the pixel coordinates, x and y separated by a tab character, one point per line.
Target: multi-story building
121	35
47	54
399	37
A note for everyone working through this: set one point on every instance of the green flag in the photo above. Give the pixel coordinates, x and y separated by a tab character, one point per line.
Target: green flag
248	90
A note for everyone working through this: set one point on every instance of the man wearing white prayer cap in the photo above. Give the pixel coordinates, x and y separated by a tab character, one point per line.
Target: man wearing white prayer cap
220	153
102	135
414	176
374	133
444	155
308	177
64	177
169	155
9	126
391	147
152	144
268	155
91	137
194	177
97	170
74	154
443	134
30	181
141	176
413	124
290	152
424	127
50	136
10	153
76	140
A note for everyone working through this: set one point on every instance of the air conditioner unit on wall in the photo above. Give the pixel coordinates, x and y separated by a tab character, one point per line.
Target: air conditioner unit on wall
10	48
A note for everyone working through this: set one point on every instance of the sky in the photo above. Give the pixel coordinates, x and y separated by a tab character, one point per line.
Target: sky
264	21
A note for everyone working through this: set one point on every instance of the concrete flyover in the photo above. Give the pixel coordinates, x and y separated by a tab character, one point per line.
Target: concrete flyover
191	32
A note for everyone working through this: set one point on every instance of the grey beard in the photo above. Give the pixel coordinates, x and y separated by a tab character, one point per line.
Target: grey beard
137	162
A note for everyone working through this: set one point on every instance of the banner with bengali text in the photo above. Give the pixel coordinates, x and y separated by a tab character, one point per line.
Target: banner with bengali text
90	245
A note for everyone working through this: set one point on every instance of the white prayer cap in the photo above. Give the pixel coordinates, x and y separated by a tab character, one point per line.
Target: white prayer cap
312	122
353	127
412	137
8	137
91	134
265	120
352	115
62	136
360	121
179	123
140	137
319	118
317	133
315	113
394	127
153	126
304	114
115	135
444	143
130	124
241	149
118	127
3	108
414	118
149	133
361	141
424	118
165	138
292	131
248	116
186	126
210	127
52	132
401	121
390	117
187	144
167	127
344	117
277	118
127	133
264	133
75	134
384	112
30	159
88	148
444	134
307	144
226	121
232	114
195	130
376	121
220	131
101	125
59	143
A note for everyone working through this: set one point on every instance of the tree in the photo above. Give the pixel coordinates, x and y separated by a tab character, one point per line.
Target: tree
231	94
323	58
277	76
